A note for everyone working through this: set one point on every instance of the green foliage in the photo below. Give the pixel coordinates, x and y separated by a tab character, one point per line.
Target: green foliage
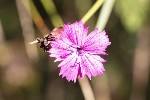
133	13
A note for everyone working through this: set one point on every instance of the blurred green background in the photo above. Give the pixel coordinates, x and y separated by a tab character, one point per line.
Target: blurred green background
27	73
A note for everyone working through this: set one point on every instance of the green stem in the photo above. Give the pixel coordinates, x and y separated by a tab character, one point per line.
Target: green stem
93	9
52	12
104	14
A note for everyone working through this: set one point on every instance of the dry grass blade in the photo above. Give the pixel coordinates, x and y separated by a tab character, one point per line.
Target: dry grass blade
27	31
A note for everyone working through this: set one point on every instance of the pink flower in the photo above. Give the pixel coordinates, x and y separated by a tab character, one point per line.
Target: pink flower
78	52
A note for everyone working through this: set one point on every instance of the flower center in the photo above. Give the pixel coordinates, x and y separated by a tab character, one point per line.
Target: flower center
80	50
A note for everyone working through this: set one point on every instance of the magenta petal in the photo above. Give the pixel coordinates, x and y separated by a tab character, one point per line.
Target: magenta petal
96	42
71	73
60	49
68	60
92	65
69	68
75	32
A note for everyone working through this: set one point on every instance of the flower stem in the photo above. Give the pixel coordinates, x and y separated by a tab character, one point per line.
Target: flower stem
104	14
52	12
93	9
86	88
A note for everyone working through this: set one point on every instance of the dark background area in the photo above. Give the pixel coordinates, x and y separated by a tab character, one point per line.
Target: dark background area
28	73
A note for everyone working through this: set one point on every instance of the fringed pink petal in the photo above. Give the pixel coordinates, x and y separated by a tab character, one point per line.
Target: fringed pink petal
96	42
69	68
76	32
92	65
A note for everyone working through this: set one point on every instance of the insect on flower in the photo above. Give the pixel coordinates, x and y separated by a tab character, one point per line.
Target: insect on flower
45	42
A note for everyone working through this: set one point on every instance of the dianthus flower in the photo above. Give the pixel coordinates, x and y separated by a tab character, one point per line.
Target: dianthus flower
78	52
